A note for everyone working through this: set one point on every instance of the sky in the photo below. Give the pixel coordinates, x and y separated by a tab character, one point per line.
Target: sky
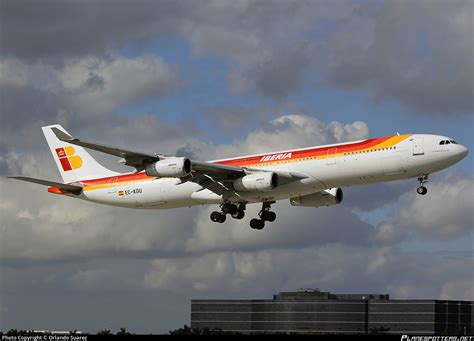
213	79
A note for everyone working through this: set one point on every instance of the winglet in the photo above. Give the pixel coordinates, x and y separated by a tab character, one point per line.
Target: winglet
61	135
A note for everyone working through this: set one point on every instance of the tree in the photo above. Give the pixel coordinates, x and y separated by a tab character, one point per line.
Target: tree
104	332
123	331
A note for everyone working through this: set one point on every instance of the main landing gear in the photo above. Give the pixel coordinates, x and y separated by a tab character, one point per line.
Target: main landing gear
265	215
422	190
236	212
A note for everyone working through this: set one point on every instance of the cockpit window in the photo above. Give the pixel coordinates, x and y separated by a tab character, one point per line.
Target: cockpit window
453	142
441	142
447	142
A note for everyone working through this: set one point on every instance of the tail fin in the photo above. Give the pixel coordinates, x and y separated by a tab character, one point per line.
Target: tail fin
74	162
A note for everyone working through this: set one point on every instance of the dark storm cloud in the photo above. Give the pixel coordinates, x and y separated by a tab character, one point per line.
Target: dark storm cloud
57	30
280	76
418	53
20	107
94	81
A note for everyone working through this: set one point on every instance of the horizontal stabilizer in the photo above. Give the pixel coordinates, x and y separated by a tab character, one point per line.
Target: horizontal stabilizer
69	188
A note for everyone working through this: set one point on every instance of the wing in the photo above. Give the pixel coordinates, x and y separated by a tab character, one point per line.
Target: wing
68	188
130	158
207	174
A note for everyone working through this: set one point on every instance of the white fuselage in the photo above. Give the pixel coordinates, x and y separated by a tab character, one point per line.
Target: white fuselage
408	157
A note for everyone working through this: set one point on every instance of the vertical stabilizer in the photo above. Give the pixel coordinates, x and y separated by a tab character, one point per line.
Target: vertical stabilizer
74	162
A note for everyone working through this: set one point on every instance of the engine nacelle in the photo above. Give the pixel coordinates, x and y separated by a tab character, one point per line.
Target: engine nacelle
171	168
327	197
257	182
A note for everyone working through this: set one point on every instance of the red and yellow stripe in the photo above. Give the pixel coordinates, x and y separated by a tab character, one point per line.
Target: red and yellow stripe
120	180
319	153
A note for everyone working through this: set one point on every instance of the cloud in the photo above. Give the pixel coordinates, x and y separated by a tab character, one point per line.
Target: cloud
446	211
458	290
294	131
54	31
388	234
391	49
98	85
416	53
332	267
412	52
91	85
334	224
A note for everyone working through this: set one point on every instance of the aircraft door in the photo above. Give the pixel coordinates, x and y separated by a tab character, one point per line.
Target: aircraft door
418	145
112	189
331	159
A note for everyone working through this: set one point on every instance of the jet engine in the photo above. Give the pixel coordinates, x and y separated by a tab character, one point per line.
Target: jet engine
257	182
327	197
172	168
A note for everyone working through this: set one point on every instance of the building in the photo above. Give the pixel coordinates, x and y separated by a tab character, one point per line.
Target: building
313	311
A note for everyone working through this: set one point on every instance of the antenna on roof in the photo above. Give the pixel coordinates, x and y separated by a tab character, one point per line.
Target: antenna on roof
398	134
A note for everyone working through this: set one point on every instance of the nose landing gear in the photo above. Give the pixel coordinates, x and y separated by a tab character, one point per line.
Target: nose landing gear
422	190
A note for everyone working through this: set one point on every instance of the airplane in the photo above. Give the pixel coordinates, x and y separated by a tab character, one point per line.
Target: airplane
308	177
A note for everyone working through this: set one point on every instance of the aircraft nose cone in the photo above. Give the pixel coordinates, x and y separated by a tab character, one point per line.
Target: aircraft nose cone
463	151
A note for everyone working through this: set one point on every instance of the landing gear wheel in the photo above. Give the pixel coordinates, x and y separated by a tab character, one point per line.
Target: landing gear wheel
229	208
257	224
268	216
422	190
218	217
215	216
239	214
222	218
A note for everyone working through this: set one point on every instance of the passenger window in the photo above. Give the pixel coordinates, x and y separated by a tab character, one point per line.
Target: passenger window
441	142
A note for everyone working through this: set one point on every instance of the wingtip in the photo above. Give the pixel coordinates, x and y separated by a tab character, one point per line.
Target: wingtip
61	135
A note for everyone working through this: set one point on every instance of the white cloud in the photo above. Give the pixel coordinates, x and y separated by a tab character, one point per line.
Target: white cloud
445	212
455	289
13	73
335	267
388	234
100	85
93	85
293	131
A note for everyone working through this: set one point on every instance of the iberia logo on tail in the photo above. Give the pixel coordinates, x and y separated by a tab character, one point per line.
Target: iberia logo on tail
67	158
